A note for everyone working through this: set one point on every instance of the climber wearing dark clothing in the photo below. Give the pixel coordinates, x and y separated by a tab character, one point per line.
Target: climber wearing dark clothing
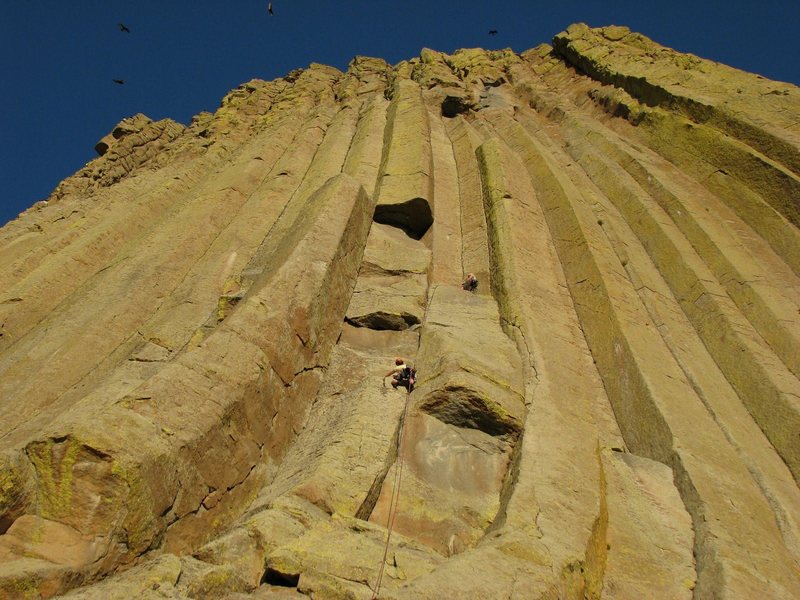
470	283
402	375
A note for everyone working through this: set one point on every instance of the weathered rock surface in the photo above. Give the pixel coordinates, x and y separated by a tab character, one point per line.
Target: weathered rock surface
194	327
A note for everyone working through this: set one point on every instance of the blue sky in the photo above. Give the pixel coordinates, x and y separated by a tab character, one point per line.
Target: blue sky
58	58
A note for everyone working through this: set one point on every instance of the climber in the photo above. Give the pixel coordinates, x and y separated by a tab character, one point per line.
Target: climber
402	375
470	283
395	372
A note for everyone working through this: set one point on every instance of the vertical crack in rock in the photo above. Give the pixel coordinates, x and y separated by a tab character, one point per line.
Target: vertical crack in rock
364	511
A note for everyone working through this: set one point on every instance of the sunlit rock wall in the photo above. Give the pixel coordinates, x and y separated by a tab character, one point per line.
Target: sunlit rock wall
194	327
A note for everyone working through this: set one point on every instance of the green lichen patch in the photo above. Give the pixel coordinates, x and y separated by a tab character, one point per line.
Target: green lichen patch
53	461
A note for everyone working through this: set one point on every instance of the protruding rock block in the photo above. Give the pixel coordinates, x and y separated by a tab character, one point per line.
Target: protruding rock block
152	579
484	68
391	252
387	302
483	371
132	143
113	491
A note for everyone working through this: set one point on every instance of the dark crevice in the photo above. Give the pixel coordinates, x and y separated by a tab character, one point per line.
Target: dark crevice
455	105
414	216
273	577
383	321
5	522
463	407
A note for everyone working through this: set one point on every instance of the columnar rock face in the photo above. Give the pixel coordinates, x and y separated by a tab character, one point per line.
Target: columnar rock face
194	327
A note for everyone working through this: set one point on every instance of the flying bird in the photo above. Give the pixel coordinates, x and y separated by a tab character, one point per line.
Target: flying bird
493	32
122	28
118	81
269	8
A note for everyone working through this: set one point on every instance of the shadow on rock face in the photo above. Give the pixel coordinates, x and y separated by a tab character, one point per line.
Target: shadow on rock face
414	216
273	577
469	408
384	321
455	105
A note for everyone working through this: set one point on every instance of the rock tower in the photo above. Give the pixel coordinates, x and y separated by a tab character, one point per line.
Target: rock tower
194	327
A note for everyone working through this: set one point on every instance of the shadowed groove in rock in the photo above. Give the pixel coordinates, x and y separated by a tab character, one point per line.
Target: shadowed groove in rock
725	255
472	219
767	468
381	320
514	218
466	407
274	577
413	216
455	105
689	267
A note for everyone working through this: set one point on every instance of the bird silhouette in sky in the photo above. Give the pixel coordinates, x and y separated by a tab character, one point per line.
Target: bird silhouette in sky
122	28
118	81
269	8
493	32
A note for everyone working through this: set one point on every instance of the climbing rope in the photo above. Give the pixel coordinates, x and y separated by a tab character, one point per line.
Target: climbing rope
398	477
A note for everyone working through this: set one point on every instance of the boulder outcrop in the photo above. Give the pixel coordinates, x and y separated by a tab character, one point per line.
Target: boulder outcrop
194	328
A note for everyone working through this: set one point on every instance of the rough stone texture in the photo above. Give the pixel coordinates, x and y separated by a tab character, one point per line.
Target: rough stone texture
404	188
194	327
648	533
460	432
